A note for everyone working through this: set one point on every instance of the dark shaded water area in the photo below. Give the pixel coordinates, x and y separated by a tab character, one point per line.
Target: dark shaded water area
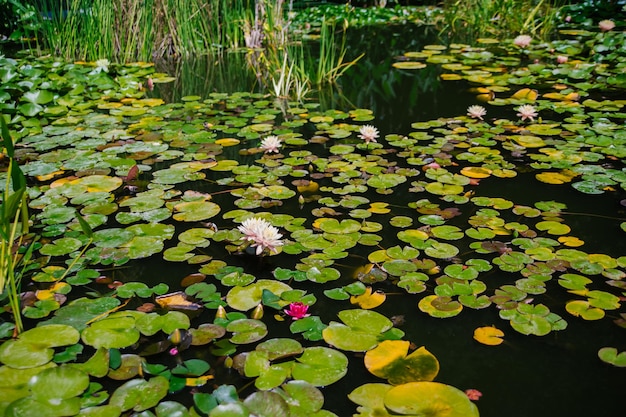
554	375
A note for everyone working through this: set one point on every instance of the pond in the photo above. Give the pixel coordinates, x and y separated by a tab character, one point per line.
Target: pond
442	225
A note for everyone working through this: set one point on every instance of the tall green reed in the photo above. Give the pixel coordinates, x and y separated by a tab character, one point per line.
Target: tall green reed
131	30
14	226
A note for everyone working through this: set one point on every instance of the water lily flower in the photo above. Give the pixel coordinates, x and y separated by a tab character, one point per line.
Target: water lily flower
522	41
561	59
473	394
102	65
297	310
477	112
527	111
606	25
368	133
261	234
270	144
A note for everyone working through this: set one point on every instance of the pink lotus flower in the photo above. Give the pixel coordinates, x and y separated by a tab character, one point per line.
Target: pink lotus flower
522	41
561	59
473	394
297	310
606	25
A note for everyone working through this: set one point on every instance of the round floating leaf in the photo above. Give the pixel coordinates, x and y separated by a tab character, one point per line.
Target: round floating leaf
389	360
447	232
610	356
343	227
320	366
476	172
409	65
347	338
489	335
61	246
55	384
98	183
440	307
554	228
369	300
194	211
441	250
262	404
583	309
280	348
139	394
370	398
246	331
248	297
51	335
431	399
23	355
305	399
114	332
439	188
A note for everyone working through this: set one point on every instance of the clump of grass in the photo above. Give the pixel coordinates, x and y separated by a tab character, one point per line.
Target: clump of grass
469	19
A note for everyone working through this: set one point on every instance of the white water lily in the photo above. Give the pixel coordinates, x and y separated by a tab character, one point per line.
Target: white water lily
102	65
522	41
527	111
261	234
368	133
477	112
271	144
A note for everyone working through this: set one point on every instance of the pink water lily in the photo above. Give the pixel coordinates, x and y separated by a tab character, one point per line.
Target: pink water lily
522	41
297	310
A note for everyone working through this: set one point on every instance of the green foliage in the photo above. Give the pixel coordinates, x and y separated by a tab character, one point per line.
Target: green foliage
467	20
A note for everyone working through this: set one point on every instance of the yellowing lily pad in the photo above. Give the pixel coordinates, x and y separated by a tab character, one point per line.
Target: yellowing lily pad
409	65
432	399
528	141
489	335
581	308
562	177
476	172
98	183
369	300
227	142
390	360
526	94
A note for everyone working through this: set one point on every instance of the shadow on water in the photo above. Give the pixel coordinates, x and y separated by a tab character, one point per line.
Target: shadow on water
554	375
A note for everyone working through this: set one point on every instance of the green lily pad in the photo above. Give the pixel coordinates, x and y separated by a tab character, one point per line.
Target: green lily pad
60	383
140	394
248	297
610	356
246	331
320	366
113	332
